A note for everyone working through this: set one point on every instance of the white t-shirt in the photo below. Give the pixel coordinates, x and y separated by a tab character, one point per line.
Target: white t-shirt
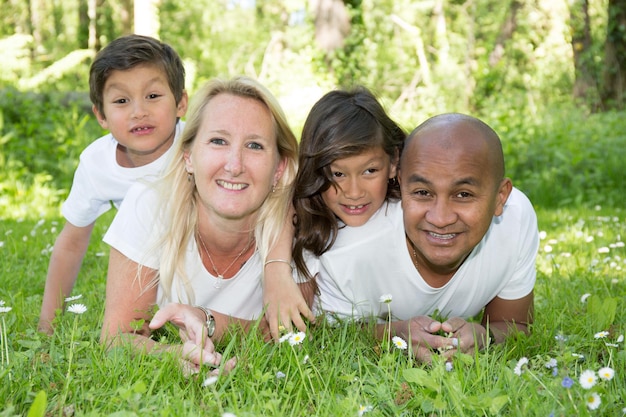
100	182
134	232
372	260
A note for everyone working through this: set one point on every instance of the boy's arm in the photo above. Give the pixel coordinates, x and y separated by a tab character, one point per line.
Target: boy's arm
281	296
67	256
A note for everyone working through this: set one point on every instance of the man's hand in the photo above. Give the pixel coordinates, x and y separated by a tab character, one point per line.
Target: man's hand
424	335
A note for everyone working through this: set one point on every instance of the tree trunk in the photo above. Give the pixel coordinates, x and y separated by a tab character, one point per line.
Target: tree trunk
614	74
83	24
332	24
92	7
506	32
34	26
147	17
127	16
585	86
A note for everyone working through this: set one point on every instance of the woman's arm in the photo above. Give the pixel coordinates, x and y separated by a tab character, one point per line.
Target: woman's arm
130	299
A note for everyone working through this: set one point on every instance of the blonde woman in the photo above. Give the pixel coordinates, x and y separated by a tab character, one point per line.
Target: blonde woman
196	242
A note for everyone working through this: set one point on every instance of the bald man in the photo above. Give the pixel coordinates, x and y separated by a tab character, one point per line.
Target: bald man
461	243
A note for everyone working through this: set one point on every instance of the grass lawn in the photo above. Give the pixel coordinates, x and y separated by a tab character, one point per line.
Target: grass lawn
572	364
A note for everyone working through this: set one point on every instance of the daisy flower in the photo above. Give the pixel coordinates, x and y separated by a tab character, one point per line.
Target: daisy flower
4	309
399	342
518	368
588	379
385	298
606	373
584	297
209	381
364	409
551	364
601	335
593	401
280	375
77	308
74	298
449	366
285	337
296	338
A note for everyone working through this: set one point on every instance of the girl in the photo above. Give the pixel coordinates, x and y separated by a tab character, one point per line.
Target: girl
348	158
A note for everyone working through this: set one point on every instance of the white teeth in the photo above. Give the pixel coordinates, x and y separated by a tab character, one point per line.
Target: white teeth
446	236
231	186
356	207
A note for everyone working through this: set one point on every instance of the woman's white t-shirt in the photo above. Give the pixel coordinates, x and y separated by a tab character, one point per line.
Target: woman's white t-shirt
135	231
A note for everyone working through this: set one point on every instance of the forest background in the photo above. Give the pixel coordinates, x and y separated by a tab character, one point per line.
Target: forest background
549	76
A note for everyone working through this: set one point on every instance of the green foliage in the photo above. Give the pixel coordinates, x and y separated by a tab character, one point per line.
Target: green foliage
42	135
563	156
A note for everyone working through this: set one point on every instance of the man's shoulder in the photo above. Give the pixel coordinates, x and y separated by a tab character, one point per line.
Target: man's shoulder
518	204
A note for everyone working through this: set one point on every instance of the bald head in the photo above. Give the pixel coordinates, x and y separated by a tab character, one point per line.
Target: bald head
458	132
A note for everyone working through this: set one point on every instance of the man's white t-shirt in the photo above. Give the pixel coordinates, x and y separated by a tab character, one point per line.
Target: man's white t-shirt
100	182
135	231
372	260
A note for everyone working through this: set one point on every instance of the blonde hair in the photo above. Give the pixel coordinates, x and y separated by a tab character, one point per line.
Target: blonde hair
178	215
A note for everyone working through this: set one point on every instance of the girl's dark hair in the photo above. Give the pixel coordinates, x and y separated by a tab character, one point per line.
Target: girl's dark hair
340	125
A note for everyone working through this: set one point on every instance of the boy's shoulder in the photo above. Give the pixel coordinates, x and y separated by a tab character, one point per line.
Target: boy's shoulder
100	147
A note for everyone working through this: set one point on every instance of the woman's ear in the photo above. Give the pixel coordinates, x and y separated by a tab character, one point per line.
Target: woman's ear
280	170
188	164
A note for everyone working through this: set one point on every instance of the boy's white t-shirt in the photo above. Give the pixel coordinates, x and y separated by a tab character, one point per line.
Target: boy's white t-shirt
100	182
135	232
372	260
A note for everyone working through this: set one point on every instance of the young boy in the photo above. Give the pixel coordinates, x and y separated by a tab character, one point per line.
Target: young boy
137	87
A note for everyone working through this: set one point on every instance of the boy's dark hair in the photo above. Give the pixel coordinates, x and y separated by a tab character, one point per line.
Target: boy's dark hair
127	52
340	125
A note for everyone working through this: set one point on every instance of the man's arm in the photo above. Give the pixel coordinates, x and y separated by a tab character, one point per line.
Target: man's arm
65	262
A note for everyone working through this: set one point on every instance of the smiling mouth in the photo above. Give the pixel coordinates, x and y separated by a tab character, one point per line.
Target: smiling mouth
360	206
440	236
141	129
231	186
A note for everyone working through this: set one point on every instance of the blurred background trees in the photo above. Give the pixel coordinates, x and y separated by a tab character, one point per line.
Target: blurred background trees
511	62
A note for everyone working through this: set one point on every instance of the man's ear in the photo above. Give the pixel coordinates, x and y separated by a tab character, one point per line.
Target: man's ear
100	117
504	190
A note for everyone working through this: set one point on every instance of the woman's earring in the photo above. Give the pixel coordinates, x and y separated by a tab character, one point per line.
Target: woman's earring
189	176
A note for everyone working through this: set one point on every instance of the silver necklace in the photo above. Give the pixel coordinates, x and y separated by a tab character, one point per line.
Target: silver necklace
220	277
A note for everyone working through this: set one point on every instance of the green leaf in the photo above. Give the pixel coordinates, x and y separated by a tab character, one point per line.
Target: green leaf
38	407
421	378
601	311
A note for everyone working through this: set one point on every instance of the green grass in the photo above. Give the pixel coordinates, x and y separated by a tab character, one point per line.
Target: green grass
336	371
